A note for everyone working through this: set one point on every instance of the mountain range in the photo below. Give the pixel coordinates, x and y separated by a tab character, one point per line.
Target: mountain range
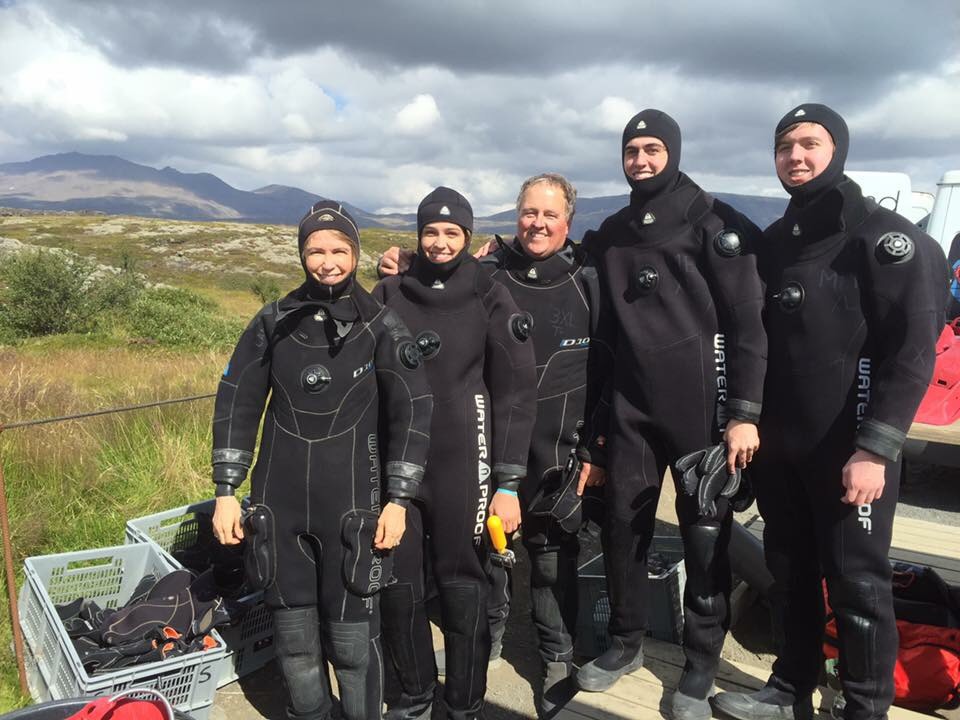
110	184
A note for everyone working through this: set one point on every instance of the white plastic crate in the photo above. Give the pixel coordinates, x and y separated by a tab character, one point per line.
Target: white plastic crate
107	576
665	602
250	642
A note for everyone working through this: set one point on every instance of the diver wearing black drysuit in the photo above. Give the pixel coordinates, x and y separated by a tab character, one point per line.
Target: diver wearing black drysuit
679	276
480	364
562	294
558	286
336	365
855	297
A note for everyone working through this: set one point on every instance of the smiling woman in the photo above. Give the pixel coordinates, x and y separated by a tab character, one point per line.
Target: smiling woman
329	256
482	373
345	397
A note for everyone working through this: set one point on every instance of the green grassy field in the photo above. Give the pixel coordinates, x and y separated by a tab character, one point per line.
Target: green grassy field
73	485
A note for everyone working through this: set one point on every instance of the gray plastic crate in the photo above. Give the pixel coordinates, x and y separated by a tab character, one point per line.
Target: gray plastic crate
107	576
250	642
666	599
41	693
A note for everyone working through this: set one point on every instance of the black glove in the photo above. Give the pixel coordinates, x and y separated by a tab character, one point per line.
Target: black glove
557	496
703	474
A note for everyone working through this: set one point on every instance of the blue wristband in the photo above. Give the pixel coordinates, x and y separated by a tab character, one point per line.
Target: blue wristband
508	492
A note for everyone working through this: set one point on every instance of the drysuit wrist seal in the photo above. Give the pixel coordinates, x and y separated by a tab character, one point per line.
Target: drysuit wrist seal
880	439
402	488
508	485
225	490
228	476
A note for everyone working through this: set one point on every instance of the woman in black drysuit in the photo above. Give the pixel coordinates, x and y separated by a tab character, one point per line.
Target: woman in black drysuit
481	368
689	355
855	298
349	406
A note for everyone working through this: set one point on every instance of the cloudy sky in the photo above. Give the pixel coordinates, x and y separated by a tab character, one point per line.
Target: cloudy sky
378	101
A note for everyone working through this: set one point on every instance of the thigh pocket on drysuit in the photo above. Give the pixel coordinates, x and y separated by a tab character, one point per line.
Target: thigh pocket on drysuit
365	569
260	554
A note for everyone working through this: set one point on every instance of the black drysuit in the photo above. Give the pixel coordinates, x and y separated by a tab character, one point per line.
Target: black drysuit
854	305
480	364
679	277
347	407
562	295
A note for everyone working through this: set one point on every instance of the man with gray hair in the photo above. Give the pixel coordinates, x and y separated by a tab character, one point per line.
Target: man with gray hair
551	279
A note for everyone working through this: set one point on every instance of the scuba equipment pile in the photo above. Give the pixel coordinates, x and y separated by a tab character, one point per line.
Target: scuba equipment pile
165	617
927	671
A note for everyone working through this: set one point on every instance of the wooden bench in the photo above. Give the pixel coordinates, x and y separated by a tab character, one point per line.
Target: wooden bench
914	541
933	444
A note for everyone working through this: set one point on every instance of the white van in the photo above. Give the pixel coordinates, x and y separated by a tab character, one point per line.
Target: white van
938	215
891	190
943	223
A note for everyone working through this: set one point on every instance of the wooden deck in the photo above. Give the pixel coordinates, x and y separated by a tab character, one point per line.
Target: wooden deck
646	692
642	695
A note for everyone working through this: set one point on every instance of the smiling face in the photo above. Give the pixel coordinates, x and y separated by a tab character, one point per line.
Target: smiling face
328	257
802	153
441	241
644	157
543	220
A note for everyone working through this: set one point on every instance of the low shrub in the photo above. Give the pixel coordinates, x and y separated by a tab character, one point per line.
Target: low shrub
45	293
176	317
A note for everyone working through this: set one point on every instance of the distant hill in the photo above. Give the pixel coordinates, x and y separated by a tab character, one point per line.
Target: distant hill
110	184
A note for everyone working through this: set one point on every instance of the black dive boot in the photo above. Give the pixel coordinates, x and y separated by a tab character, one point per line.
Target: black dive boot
601	673
768	703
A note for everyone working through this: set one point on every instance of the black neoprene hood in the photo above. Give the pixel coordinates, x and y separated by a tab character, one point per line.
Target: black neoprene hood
654	123
835	125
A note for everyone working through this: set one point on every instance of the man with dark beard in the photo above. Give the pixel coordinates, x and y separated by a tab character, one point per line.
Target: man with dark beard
678	274
854	305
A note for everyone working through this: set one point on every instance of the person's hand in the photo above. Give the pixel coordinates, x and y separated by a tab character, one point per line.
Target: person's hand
506	506
742	442
394	261
590	476
864	476
485	249
227	527
390	526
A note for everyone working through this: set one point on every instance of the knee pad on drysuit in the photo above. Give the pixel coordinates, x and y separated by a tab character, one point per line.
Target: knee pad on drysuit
365	569
360	685
297	637
867	638
466	635
703	474
407	638
554	601
702	554
260	554
557	497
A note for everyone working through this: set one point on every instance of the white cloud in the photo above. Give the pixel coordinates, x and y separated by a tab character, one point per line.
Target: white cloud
613	113
928	106
418	116
252	95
